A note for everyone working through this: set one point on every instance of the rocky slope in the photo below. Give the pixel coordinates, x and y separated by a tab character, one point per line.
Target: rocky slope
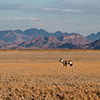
94	45
34	38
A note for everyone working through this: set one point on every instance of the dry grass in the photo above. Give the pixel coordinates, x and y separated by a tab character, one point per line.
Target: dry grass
37	75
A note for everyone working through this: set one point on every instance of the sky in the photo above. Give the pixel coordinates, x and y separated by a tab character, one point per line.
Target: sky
79	16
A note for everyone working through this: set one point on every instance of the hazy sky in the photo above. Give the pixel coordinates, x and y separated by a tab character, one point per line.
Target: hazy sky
80	16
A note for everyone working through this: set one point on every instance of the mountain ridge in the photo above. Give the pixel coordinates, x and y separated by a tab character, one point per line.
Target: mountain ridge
93	45
39	38
93	37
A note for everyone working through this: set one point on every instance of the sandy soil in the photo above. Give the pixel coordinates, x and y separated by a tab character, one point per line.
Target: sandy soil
38	75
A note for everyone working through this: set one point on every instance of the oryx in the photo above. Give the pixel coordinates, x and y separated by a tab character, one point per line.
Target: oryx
65	62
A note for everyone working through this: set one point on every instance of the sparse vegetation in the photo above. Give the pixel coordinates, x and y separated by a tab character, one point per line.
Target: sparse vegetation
38	75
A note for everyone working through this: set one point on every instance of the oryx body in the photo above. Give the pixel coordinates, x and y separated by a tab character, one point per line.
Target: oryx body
65	62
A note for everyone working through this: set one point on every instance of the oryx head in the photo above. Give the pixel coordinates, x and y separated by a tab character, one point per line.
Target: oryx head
60	60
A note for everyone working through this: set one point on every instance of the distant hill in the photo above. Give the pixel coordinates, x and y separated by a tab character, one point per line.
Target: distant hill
11	36
64	41
16	36
93	45
39	32
75	39
68	46
2	42
41	42
38	38
93	37
52	42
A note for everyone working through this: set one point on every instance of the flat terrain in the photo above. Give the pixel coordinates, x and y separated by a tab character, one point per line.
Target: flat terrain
38	75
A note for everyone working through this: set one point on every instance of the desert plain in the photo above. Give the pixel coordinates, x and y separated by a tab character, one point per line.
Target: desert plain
38	75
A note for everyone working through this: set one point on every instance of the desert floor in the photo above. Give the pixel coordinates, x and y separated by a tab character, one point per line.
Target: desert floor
38	75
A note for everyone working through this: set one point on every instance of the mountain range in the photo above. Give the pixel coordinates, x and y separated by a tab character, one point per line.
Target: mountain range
93	37
93	45
36	39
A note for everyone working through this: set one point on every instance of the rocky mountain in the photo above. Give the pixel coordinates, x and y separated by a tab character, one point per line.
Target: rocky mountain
39	32
68	46
11	36
93	45
93	37
75	39
52	42
41	42
2	42
34	38
17	36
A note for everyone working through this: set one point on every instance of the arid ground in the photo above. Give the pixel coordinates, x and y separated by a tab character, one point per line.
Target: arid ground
38	75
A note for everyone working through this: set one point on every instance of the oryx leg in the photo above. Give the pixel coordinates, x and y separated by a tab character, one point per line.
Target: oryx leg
66	66
72	66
